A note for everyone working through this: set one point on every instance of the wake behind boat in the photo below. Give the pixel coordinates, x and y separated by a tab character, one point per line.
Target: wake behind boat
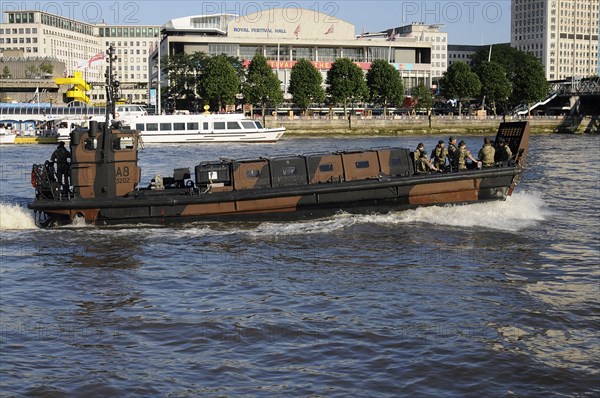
206	127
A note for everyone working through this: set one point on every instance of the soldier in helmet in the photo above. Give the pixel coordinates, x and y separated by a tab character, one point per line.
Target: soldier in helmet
452	154
423	165
417	154
60	156
463	155
438	155
503	152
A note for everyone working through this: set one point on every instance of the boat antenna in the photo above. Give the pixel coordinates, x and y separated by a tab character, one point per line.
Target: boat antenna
112	85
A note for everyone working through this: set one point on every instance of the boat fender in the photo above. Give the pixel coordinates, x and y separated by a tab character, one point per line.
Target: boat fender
117	115
33	177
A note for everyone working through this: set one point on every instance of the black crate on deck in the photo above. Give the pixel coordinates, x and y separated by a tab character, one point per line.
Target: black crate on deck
212	173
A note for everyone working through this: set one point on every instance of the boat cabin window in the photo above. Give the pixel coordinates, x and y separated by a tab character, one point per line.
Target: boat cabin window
324	168
205	126
192	126
139	126
165	127
123	143
179	126
362	164
252	173
258	125
151	126
233	126
288	170
90	144
249	125
219	125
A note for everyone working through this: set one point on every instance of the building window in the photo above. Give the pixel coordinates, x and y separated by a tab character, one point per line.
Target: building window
227	49
384	53
275	54
354	54
303	53
248	52
326	54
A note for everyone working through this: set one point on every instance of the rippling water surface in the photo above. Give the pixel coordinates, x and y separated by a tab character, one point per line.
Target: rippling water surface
495	299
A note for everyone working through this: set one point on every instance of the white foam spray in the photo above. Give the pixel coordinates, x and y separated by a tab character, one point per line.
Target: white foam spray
519	211
15	217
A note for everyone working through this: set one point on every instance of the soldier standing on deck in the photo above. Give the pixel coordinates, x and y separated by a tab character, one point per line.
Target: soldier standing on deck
60	157
438	155
452	154
463	155
503	153
486	153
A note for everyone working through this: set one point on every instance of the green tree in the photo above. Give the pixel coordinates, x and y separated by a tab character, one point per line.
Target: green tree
530	84
345	80
495	86
306	84
385	84
460	82
182	78
31	71
220	82
46	68
502	54
197	63
262	85
422	96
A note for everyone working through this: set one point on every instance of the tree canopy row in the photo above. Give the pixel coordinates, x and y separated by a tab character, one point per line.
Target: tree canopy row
511	77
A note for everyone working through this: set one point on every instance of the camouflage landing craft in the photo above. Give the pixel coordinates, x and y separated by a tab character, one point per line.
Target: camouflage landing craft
105	183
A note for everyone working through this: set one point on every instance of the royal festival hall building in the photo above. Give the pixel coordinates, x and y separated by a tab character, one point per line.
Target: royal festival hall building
286	35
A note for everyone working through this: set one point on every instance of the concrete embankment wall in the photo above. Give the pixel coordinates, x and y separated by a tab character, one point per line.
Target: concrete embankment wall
408	125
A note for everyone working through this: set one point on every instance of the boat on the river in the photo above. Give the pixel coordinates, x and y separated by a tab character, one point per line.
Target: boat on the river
7	136
106	188
204	127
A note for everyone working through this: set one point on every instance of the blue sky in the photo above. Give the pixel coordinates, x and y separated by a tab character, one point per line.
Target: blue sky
466	21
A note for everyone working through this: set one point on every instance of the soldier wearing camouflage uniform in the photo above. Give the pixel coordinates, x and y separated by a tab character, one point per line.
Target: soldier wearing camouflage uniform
486	153
463	155
503	153
423	165
438	155
452	154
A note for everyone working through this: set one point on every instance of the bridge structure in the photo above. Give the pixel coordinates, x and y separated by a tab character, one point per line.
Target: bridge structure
568	97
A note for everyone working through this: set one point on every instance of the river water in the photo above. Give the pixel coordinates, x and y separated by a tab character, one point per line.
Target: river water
497	299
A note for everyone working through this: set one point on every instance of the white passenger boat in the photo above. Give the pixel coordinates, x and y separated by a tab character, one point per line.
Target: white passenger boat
7	136
204	127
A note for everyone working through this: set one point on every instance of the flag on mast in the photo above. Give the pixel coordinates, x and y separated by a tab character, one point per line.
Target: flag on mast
297	31
98	58
330	30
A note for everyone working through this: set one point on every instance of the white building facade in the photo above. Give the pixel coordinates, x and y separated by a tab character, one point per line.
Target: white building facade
562	34
428	33
41	34
284	36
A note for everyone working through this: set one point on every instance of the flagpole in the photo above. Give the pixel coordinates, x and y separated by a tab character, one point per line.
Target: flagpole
158	77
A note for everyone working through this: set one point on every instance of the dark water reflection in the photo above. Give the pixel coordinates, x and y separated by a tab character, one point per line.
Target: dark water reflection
494	300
